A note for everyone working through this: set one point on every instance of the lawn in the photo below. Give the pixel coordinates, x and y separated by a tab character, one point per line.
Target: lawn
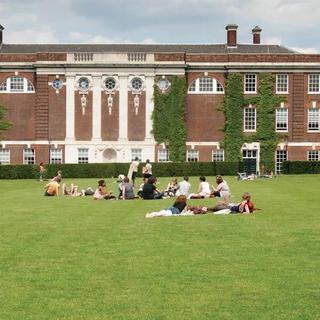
75	258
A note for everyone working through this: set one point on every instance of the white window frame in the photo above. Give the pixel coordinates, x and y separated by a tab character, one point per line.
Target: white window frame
313	155
82	157
244	119
278	83
163	155
278	122
195	152
214	90
56	156
314	92
309	120
7	85
136	152
246	82
4	156
25	151
279	159
218	155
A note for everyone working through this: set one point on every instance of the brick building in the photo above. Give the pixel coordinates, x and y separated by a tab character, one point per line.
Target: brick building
93	103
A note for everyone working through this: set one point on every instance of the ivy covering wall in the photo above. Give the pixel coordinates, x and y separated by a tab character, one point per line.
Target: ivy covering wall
169	118
4	125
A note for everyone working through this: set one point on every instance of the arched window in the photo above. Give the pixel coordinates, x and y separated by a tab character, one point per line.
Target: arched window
17	84
206	85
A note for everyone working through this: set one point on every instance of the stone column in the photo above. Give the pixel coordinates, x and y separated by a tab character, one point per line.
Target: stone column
96	109
123	108
149	106
70	112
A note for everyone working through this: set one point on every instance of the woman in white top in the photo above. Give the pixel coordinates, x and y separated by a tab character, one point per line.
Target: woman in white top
133	170
222	190
147	169
203	189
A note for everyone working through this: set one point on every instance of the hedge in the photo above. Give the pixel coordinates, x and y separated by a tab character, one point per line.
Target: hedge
300	167
99	170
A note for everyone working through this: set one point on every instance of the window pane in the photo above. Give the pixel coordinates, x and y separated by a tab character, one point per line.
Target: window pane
205	84
250	83
4	156
28	156
281	155
30	86
56	156
163	155
17	84
83	155
136	153
314	83
281	119
313	155
313	119
249	119
218	155
192	156
282	83
3	86
192	87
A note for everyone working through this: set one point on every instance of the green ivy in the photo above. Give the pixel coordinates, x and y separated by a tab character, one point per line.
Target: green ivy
169	118
4	125
232	108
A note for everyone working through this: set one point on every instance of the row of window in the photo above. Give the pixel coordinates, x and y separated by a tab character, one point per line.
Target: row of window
16	84
250	119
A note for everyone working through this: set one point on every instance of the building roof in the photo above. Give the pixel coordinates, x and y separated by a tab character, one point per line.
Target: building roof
147	48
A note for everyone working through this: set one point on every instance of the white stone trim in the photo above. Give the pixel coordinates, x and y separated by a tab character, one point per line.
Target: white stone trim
123	108
96	109
70	108
149	83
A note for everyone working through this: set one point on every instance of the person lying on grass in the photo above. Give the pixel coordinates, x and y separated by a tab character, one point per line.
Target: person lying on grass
102	193
73	191
178	208
52	188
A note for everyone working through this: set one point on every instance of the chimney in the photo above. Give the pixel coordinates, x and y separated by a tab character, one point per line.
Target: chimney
1	37
231	35
256	34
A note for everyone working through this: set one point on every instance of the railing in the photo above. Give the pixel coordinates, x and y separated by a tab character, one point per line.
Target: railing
83	56
137	57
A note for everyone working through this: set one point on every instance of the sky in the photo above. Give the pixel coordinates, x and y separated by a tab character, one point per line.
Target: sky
291	23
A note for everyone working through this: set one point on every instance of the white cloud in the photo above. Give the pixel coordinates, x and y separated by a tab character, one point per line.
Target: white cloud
305	50
32	36
272	40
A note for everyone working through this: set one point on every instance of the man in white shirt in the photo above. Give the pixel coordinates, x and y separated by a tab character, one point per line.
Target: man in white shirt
184	187
147	169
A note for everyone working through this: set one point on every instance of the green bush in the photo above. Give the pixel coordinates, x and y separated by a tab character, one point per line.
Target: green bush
300	167
105	170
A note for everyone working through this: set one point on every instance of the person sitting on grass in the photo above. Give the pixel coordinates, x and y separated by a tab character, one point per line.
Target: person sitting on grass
57	176
127	189
102	193
222	190
144	181
203	189
150	191
52	188
184	187
172	188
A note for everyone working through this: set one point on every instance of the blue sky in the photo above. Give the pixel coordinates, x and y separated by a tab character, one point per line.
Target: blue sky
292	23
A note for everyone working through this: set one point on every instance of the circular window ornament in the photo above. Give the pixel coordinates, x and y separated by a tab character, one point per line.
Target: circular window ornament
110	84
163	84
57	84
136	84
83	84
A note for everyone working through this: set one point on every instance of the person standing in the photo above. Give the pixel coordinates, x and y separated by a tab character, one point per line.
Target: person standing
147	170
42	171
133	170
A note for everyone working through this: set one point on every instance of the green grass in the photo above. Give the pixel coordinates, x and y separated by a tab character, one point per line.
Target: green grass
75	258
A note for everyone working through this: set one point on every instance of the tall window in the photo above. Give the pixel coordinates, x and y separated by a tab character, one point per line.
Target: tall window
83	155
16	84
4	156
282	83
163	155
218	155
281	155
282	119
205	85
29	156
314	83
250	83
192	155
55	156
249	119
313	119
313	155
136	153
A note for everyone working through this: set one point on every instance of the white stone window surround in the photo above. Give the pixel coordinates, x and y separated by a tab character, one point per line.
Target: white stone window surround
313	155
218	155
133	77
313	120
249	119
22	84
192	155
76	82
314	83
29	156
282	83
199	86
250	83
282	118
4	156
105	77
